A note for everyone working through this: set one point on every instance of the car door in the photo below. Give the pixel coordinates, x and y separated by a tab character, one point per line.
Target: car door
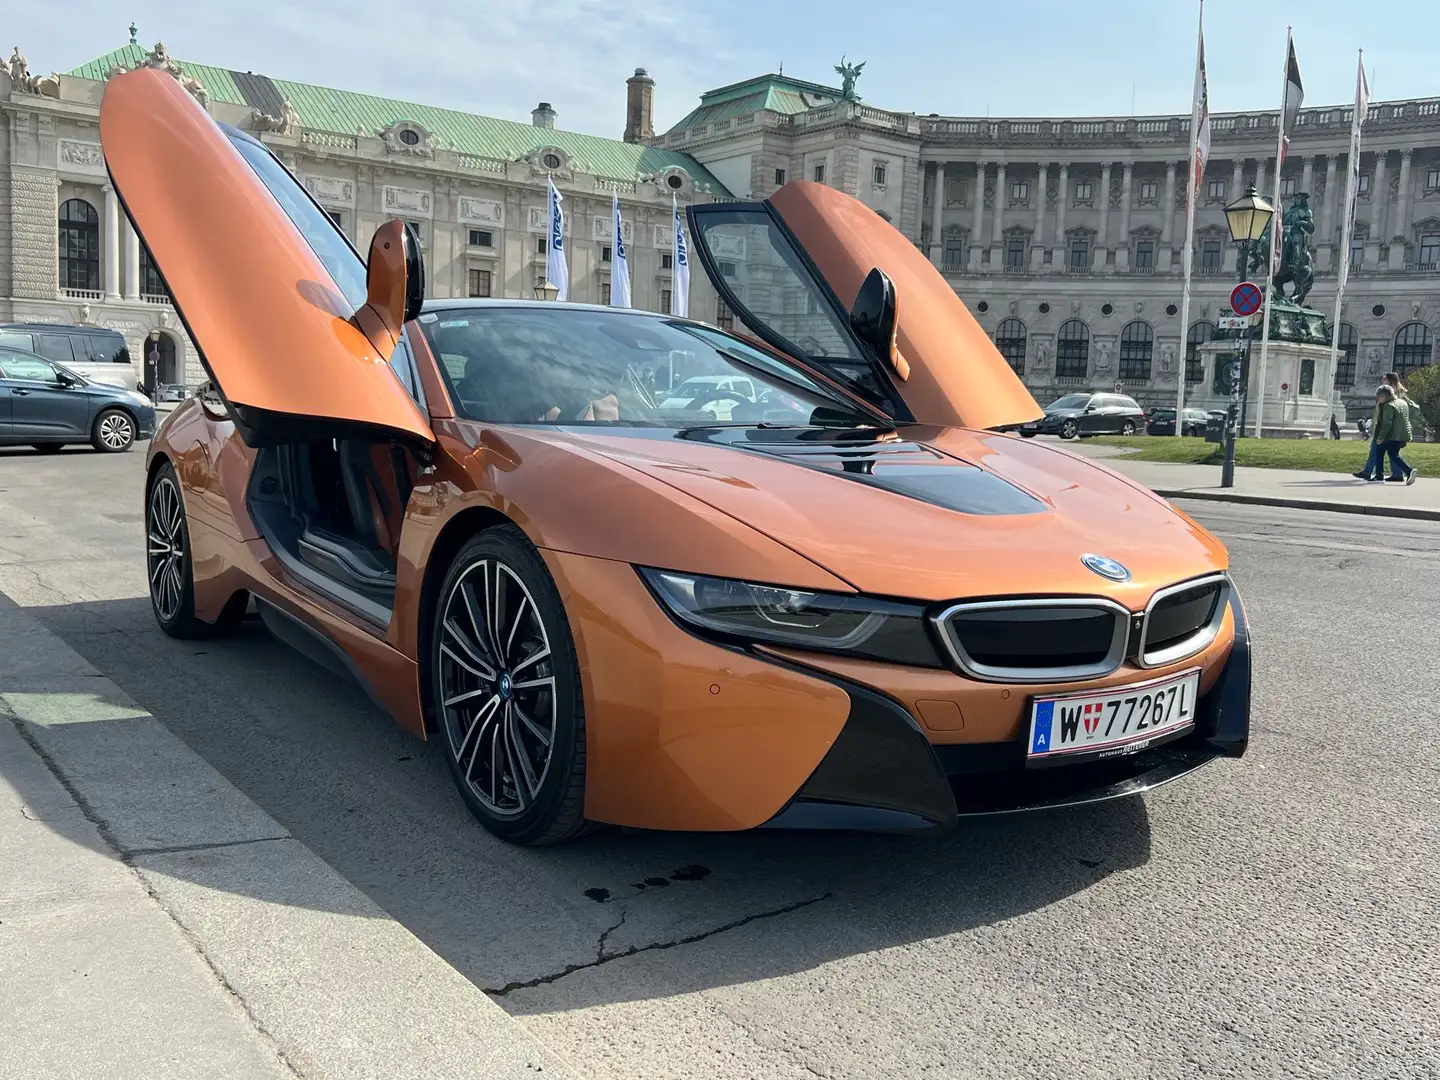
270	291
794	265
41	405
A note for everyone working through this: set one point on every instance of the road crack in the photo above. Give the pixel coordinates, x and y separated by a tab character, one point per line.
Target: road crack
604	958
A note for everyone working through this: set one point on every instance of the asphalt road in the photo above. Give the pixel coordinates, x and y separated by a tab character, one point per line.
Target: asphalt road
1271	917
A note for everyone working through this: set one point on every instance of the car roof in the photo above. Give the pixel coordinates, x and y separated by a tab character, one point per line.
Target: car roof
63	328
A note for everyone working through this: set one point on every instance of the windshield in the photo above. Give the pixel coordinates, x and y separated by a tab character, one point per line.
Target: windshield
548	365
1072	401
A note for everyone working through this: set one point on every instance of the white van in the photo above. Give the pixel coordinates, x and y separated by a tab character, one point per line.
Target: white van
99	354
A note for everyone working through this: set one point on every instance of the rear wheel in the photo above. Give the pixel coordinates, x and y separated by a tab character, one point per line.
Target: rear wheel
113	432
506	691
1069	429
1127	428
168	560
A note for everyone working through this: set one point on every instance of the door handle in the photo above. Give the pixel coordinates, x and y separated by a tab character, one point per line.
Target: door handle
20	392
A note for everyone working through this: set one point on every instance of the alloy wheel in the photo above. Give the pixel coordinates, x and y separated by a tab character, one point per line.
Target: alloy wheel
166	549
497	686
116	431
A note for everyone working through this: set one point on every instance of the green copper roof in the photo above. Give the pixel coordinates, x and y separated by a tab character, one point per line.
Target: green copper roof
772	93
324	109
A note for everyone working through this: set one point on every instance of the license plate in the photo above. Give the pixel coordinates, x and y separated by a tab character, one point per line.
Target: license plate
1112	722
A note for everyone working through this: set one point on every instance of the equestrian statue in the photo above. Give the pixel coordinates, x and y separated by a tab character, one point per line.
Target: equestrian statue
1297	260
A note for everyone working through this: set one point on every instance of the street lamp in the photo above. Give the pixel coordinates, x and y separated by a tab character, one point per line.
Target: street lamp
546	290
1248	217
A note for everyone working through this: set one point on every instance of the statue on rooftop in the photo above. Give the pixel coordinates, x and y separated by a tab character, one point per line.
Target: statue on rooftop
848	74
19	69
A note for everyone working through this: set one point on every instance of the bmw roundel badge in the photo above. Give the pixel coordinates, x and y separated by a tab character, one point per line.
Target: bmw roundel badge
1106	568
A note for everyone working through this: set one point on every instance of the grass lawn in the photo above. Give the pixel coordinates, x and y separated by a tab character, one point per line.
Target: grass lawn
1321	455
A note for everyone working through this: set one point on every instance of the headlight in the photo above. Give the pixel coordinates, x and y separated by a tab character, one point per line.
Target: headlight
139	398
747	613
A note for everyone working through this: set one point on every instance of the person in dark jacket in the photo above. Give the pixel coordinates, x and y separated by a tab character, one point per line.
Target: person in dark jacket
1392	432
1374	462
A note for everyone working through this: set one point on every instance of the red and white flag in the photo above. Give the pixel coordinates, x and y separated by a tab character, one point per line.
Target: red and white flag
1294	96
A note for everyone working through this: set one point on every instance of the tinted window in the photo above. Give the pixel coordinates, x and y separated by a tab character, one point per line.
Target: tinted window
16	339
108	349
528	365
319	231
1126	403
85	350
54	347
1072	401
14	366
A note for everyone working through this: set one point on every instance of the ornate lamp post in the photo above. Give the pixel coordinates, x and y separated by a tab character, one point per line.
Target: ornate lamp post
1248	217
546	290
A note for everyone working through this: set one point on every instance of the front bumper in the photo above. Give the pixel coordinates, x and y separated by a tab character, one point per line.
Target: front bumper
145	423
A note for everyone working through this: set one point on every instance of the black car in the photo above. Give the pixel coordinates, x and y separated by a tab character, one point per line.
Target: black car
1084	415
46	405
1162	422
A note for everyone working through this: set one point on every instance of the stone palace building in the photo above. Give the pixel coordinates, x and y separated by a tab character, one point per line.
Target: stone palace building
1063	236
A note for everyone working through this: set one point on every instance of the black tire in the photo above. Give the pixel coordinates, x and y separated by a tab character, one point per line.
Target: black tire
1027	434
48	447
1069	429
1127	428
516	676
171	577
113	431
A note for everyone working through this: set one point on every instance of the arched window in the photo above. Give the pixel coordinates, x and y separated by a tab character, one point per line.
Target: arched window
1199	334
1349	345
1137	346
1072	350
1413	346
1010	340
79	246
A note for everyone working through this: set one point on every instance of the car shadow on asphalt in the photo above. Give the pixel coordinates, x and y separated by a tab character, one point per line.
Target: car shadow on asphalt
378	806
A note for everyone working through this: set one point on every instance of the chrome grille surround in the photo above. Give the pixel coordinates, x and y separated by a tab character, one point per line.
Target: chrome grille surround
1114	655
1203	635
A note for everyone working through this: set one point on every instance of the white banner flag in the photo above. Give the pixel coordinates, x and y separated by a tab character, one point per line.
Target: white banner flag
556	270
619	264
680	293
1352	182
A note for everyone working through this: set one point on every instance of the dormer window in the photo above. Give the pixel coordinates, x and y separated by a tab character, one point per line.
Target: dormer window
409	136
674	181
551	160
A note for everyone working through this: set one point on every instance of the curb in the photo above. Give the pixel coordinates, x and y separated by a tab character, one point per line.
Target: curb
1414	513
327	979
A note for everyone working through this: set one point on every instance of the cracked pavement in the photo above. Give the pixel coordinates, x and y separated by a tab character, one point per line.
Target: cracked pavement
1273	916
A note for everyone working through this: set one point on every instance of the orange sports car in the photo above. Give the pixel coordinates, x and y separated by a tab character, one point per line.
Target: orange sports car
631	568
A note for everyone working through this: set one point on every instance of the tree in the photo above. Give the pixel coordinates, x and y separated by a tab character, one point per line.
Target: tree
1424	387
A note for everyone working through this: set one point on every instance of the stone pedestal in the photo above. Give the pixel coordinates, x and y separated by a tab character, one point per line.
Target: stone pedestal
1298	391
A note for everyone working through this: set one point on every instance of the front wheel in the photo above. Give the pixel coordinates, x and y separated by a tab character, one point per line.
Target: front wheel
1127	428
1069	429
1027	434
506	691
113	432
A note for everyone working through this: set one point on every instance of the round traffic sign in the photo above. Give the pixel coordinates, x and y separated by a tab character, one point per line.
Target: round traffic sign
1246	298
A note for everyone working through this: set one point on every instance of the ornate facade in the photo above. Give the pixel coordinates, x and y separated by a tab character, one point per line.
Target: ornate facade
1063	236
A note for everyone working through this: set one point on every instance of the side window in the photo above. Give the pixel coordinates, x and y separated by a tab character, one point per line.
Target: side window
17	339
317	227
54	347
26	367
84	349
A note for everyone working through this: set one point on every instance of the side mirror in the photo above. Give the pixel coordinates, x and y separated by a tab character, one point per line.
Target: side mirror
874	318
65	379
394	285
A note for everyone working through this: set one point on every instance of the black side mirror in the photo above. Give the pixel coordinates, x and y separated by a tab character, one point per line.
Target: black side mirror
414	274
873	318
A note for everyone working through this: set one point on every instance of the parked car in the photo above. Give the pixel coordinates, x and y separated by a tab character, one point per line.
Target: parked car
100	355
46	405
1084	415
603	609
1162	422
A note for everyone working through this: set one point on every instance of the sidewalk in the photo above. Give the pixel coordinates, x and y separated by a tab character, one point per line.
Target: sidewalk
1278	487
154	922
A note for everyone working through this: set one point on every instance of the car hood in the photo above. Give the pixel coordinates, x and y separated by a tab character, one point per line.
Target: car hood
928	513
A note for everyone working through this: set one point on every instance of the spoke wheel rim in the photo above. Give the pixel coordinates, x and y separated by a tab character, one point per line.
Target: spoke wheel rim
165	547
114	431
497	687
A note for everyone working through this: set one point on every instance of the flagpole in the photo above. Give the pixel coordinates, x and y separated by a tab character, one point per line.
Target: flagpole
1276	225
1352	170
1188	259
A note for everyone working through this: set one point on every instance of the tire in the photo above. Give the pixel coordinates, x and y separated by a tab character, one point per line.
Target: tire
168	565
1027	434
1127	428
113	431
48	447
1069	429
499	694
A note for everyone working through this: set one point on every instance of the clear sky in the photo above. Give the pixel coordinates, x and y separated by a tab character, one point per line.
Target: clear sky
1015	57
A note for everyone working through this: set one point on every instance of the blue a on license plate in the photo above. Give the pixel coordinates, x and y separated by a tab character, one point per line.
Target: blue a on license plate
1111	722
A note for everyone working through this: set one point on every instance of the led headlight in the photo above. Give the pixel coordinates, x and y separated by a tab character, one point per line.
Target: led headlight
748	613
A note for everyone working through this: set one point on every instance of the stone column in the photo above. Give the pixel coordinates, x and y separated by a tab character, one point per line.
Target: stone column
1002	196
1307	177
1379	196
1122	252
1326	247
112	244
1401	226
132	264
1062	198
1237	180
977	220
1260	187
1167	223
1037	242
937	214
1103	244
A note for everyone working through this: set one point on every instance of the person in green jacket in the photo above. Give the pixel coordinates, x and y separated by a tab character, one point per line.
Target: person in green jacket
1392	432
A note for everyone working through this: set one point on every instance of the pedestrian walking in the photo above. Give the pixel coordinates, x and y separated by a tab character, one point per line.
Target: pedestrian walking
1392	433
1373	461
1402	397
1334	427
